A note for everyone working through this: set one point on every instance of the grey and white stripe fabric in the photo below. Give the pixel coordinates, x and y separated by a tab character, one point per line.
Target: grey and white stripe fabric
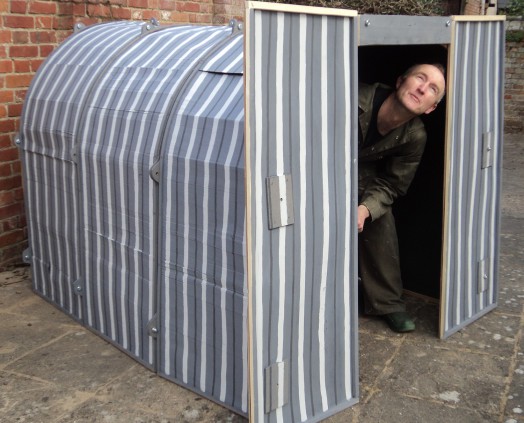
472	191
120	139
49	130
93	125
203	342
301	110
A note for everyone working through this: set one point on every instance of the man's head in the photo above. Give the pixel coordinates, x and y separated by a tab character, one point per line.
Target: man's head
421	87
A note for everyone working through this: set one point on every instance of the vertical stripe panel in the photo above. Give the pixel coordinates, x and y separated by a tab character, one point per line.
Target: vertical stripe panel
473	191
49	128
201	232
303	68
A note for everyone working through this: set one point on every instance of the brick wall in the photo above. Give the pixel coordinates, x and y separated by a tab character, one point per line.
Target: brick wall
29	31
472	7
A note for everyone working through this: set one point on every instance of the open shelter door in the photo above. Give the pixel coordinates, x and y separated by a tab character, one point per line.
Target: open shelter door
473	171
301	139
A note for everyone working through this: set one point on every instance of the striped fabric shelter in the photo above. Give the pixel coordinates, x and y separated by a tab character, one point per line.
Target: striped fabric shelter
190	194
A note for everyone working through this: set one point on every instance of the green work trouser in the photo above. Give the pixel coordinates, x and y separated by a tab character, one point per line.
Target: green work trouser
379	266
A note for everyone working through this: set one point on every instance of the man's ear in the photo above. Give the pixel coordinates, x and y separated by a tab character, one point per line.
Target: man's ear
399	81
427	112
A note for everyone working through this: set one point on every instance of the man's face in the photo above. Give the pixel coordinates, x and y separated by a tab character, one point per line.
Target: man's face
420	91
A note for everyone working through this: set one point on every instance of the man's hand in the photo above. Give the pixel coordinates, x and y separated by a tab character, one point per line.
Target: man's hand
362	215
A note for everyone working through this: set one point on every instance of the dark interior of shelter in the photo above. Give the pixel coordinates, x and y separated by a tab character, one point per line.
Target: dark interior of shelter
419	214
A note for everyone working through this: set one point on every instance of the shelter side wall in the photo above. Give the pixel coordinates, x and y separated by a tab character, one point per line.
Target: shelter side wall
472	180
49	129
301	107
203	303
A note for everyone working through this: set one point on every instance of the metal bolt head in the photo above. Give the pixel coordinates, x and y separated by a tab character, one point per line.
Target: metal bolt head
448	23
367	22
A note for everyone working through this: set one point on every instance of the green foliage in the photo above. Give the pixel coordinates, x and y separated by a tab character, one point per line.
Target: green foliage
380	7
515	36
515	8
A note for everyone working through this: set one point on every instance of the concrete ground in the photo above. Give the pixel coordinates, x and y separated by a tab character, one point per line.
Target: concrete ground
54	370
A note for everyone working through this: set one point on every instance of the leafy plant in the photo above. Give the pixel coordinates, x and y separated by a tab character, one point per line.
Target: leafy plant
515	36
380	7
515	8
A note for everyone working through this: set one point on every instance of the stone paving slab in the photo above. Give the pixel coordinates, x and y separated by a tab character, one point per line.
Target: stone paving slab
54	370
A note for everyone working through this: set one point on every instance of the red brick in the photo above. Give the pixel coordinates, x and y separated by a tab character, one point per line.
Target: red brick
203	18
9	154
167	4
16	167
10	210
11	224
6	96
179	17
5	170
7	125
62	22
140	4
20	37
42	8
38	37
99	10
153	4
121	13
35	64
3	111
18	6
7	197
19	21
23	51
20	95
18	194
11	238
65	8
148	14
5	36
78	10
23	223
45	50
44	22
18	80
4	7
22	66
5	141
6	66
14	110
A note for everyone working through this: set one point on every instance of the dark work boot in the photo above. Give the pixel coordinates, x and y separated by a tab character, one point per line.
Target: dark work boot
399	321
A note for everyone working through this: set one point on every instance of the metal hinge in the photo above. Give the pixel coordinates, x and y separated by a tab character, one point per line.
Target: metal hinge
154	172
18	140
483	275
78	286
276	381
27	255
150	26
280	201
78	26
487	149
236	26
152	326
